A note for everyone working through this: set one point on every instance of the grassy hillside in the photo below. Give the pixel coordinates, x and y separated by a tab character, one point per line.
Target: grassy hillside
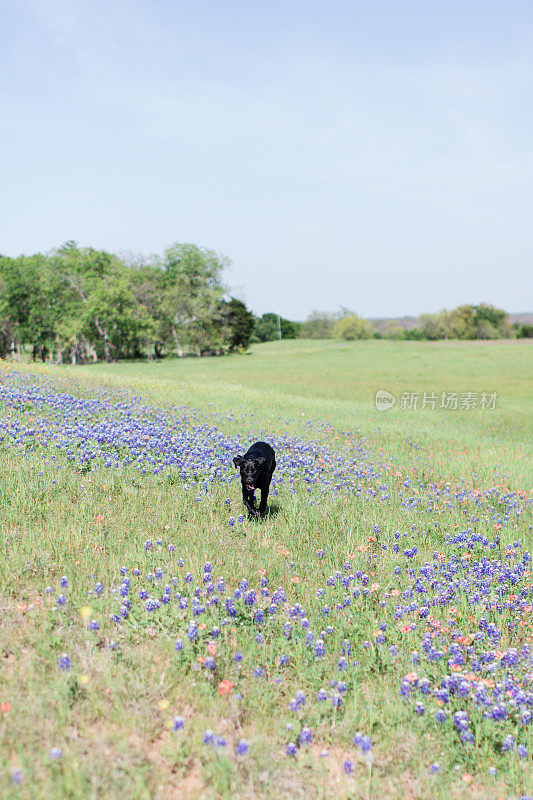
371	636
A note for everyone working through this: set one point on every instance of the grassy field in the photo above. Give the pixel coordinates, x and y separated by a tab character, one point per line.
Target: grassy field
391	577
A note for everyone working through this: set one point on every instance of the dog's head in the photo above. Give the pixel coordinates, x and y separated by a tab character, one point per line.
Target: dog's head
250	470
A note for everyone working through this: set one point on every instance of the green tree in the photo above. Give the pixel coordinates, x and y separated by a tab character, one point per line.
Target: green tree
393	330
319	325
147	282
192	300
491	322
265	328
435	326
463	322
240	322
97	283
289	329
352	328
525	332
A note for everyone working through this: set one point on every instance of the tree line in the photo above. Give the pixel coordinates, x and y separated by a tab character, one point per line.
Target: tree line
80	304
483	321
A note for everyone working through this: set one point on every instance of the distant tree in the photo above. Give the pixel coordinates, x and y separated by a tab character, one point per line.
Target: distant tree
147	283
7	333
435	326
35	298
491	322
193	294
351	328
414	334
102	305
463	322
525	332
319	325
467	322
240	322
289	329
393	330
265	329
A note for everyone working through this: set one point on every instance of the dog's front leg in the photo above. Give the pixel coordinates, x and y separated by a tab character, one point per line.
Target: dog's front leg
264	498
249	502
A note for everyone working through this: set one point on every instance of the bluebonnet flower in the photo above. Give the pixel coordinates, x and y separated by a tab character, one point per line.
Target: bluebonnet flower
297	702
64	662
305	736
17	776
320	648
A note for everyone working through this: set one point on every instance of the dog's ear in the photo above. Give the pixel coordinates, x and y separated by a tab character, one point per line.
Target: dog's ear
238	461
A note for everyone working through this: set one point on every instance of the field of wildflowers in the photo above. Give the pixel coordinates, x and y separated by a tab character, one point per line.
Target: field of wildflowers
370	637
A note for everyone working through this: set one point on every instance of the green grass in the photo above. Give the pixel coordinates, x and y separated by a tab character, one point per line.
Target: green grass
111	714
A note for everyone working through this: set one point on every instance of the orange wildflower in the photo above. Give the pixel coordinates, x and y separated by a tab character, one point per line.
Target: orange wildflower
225	687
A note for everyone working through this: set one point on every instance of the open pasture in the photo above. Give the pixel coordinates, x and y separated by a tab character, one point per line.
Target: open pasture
370	637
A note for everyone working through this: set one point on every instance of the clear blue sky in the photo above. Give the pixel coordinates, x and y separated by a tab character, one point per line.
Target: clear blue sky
374	154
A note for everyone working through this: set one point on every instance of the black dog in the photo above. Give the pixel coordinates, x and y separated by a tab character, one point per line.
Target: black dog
257	466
